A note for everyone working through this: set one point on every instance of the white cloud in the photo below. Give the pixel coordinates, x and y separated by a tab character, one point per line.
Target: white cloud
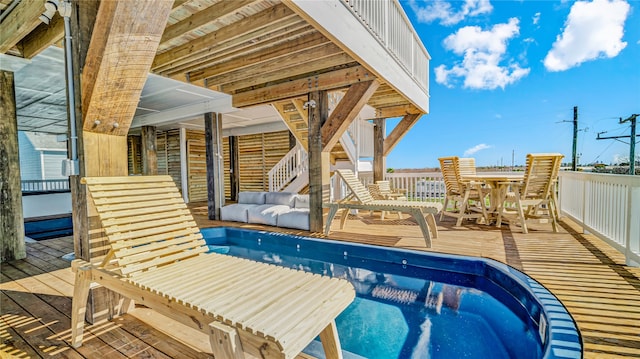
536	18
442	10
592	30
475	149
482	52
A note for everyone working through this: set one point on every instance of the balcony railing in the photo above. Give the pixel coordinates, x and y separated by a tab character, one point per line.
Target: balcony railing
56	185
605	205
389	24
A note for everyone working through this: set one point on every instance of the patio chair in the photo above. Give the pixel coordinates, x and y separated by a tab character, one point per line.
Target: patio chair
376	192
535	190
388	193
157	257
360	198
460	192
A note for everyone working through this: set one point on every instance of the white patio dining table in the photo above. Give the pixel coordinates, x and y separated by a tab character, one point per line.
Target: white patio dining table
496	181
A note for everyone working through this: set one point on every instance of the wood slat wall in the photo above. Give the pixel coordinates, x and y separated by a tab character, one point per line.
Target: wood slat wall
258	154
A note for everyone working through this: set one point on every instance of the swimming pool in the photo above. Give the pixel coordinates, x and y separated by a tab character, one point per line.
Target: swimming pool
413	304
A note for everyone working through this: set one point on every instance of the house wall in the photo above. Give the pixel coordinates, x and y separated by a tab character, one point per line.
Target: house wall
30	168
257	153
52	162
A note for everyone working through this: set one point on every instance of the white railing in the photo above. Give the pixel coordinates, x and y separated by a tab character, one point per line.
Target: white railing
56	185
389	24
425	186
605	205
292	165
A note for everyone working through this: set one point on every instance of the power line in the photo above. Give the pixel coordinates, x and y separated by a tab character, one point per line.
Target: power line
632	141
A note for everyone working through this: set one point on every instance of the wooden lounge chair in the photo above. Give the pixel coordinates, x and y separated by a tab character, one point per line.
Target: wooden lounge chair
157	257
536	189
460	192
388	193
376	192
360	198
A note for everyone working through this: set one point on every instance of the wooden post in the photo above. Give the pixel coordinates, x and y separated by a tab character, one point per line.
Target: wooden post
215	172
234	170
149	151
378	148
11	216
318	114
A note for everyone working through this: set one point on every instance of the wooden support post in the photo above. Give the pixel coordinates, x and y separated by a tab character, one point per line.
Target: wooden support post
215	172
318	113
149	151
11	216
378	148
234	170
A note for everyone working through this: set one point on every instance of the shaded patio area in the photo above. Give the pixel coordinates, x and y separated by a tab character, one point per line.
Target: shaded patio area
590	278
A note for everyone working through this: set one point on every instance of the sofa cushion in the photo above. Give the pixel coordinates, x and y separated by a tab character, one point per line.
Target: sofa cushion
252	197
301	201
236	212
281	198
266	213
294	218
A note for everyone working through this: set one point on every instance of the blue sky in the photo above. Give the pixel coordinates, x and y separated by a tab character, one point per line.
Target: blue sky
505	74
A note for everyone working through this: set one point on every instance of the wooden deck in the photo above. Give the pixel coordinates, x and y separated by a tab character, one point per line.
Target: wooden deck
590	278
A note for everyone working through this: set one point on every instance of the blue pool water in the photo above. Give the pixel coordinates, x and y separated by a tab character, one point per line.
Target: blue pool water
413	304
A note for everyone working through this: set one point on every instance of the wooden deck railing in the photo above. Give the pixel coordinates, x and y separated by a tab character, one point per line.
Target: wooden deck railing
607	206
389	24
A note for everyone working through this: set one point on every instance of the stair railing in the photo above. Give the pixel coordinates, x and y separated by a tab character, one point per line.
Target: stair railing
292	165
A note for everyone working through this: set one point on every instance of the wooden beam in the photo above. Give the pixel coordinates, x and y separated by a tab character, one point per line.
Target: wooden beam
220	53
149	150
346	111
249	79
378	146
397	111
317	117
203	17
21	21
211	42
122	48
269	54
327	81
296	58
215	172
399	131
11	217
42	37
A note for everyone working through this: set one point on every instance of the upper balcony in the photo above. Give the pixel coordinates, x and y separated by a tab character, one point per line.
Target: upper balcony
263	51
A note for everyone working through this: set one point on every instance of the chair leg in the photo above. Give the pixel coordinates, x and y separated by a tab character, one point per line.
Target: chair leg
343	218
431	222
553	214
331	342
463	208
417	214
521	212
225	341
444	207
333	209
79	304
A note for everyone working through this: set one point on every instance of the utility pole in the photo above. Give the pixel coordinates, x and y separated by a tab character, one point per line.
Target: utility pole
574	162
632	141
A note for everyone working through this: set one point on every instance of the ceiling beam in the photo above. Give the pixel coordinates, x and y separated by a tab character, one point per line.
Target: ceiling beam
241	46
124	42
398	132
296	57
295	88
278	52
345	112
203	17
396	111
253	77
42	37
21	21
204	44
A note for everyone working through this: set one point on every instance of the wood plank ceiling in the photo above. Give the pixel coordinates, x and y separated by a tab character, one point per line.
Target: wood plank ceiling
258	51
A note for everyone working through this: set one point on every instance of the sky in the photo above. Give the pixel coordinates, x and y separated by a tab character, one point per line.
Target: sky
505	76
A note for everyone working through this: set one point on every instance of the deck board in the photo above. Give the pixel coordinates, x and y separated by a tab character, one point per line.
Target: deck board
586	274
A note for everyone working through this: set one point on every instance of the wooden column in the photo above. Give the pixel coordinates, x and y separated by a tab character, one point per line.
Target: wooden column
215	172
234	170
11	216
149	151
318	114
378	149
